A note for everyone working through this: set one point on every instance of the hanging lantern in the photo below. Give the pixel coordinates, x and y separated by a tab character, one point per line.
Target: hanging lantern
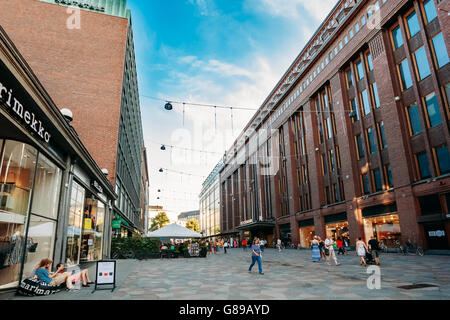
161	170
163	147
159	190
168	106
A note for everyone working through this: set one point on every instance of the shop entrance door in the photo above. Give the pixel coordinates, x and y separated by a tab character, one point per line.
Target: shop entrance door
436	236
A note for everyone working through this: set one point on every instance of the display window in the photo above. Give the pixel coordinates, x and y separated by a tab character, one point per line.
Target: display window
25	173
386	229
306	236
75	224
337	230
92	229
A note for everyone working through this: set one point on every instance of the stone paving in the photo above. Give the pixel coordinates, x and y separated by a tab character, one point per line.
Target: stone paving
289	274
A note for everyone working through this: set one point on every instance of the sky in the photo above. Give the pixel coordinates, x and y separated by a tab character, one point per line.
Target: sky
220	52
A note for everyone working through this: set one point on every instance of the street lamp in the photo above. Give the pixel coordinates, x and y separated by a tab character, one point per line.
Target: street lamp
161	170
168	106
163	147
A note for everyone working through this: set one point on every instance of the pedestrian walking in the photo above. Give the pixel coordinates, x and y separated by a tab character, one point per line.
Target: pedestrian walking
361	250
346	246
279	244
244	245
322	248
329	244
340	245
374	246
261	245
256	256
315	249
225	246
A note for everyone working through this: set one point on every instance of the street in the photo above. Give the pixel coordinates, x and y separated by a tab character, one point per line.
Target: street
289	275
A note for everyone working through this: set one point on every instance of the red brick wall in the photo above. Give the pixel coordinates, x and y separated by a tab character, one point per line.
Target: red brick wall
81	69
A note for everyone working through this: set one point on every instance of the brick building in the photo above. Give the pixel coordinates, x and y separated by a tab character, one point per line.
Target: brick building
85	59
353	140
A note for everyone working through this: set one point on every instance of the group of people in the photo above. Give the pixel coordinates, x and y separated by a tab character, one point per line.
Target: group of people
60	276
325	249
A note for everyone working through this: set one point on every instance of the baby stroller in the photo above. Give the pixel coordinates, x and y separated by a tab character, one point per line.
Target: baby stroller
369	258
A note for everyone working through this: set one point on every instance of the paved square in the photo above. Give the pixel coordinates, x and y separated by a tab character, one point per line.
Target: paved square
289	274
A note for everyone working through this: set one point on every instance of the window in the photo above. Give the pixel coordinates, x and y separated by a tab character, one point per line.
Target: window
329	128
348	75
365	102
433	115
377	180
388	176
371	139
335	193
365	183
442	159
423	166
413	24
397	37
324	165
382	135
430	10
405	75
376	98
360	69
327	193
332	160
351	33
359	146
423	68
357	27
355	111
440	50
369	61
415	126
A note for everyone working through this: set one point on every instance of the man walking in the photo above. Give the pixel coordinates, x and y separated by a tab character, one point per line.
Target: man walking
374	246
329	244
225	246
256	256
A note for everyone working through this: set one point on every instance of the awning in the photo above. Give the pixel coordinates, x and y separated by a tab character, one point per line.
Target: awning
257	225
174	231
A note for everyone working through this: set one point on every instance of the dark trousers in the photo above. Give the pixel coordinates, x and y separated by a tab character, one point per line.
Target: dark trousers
225	249
341	250
254	260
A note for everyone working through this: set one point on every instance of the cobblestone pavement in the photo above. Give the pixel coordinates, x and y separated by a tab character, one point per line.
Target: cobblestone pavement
289	274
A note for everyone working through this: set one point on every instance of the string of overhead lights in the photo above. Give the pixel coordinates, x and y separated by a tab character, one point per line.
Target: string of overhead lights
180	172
164	146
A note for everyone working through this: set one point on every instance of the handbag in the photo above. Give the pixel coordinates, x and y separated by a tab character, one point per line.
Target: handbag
327	252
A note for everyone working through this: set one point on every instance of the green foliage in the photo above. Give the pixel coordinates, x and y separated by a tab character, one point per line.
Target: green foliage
159	221
140	248
193	225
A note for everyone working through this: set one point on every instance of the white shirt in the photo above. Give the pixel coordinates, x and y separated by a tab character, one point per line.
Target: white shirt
329	243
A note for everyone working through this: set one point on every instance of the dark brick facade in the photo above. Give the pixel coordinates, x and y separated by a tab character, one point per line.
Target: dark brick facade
360	189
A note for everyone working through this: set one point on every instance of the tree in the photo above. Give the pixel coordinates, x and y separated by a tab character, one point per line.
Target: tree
193	225
159	221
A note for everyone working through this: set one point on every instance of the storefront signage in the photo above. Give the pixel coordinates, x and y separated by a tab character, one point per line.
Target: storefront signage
87	224
14	106
97	186
106	274
116	224
437	233
246	222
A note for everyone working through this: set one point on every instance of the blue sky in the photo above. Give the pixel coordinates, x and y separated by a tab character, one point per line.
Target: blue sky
220	52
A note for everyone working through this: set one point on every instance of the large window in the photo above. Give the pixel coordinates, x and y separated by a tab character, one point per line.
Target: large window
360	69
365	102
365	183
371	139
430	10
382	135
359	146
377	180
16	181
405	75
433	115
397	37
413	24
75	224
440	50
423	68
376	98
423	167
442	159
414	119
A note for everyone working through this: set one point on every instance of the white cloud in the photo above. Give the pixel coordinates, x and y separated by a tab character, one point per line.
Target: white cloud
294	9
205	7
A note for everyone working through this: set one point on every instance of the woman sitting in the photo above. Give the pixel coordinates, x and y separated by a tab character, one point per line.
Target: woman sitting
82	276
54	279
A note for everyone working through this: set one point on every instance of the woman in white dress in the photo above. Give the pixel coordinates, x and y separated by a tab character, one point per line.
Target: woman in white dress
361	250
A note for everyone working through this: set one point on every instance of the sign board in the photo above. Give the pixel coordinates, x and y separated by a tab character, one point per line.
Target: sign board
116	224
87	224
90	242
195	250
97	186
105	274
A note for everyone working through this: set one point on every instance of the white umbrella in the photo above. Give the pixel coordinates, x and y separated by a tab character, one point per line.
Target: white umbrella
174	231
